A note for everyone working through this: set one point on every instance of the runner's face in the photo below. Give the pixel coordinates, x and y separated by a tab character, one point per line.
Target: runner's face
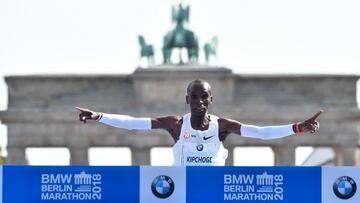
199	99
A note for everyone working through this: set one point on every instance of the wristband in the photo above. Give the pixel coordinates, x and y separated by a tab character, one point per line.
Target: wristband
298	128
100	115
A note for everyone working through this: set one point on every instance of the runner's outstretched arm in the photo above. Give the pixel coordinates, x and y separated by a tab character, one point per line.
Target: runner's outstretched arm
128	122
269	132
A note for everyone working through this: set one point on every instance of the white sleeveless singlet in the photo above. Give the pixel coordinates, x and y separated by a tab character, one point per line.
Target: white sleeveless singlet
199	148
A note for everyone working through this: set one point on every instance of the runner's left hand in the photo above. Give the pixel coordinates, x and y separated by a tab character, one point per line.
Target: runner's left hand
311	124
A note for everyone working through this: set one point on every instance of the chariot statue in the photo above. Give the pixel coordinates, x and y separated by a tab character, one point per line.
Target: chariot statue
180	37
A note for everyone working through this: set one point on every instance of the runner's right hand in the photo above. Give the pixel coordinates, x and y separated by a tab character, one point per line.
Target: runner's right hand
87	114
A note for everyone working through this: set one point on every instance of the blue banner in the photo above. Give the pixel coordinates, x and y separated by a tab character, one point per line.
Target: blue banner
254	184
70	184
147	184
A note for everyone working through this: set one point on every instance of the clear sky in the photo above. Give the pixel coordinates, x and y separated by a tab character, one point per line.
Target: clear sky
255	36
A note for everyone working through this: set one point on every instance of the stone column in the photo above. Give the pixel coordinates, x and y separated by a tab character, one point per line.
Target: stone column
284	155
16	156
79	156
358	148
230	160
345	156
140	156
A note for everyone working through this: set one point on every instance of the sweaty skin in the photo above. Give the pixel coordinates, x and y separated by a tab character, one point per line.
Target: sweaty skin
199	98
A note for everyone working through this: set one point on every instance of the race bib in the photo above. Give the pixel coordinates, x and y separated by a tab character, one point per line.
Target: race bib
203	154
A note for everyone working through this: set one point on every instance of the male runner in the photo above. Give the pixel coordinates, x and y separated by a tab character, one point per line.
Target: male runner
199	135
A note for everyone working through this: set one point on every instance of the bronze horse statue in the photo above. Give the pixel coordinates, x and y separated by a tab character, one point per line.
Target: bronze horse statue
210	48
147	50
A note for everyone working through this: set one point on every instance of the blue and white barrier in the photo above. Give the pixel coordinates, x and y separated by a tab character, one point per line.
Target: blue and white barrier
146	184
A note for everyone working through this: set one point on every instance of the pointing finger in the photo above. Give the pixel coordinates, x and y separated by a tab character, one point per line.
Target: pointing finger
316	115
81	109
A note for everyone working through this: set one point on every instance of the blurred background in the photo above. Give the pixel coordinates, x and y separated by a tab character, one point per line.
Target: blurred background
276	62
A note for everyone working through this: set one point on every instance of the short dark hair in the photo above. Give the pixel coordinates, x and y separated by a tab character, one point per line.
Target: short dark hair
198	82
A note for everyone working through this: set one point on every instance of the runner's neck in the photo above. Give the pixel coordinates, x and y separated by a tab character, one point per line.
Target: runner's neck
200	123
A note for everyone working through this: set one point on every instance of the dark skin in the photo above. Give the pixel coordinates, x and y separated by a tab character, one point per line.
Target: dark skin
199	98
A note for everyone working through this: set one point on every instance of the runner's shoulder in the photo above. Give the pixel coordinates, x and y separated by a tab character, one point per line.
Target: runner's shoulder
171	119
227	122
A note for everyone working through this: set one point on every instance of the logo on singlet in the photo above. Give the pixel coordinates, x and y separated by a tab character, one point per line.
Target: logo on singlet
200	147
206	138
186	135
162	186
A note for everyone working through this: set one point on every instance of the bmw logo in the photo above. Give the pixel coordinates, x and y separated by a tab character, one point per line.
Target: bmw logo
200	147
344	187
162	186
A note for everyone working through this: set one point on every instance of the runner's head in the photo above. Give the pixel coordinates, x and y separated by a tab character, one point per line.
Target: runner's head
199	97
